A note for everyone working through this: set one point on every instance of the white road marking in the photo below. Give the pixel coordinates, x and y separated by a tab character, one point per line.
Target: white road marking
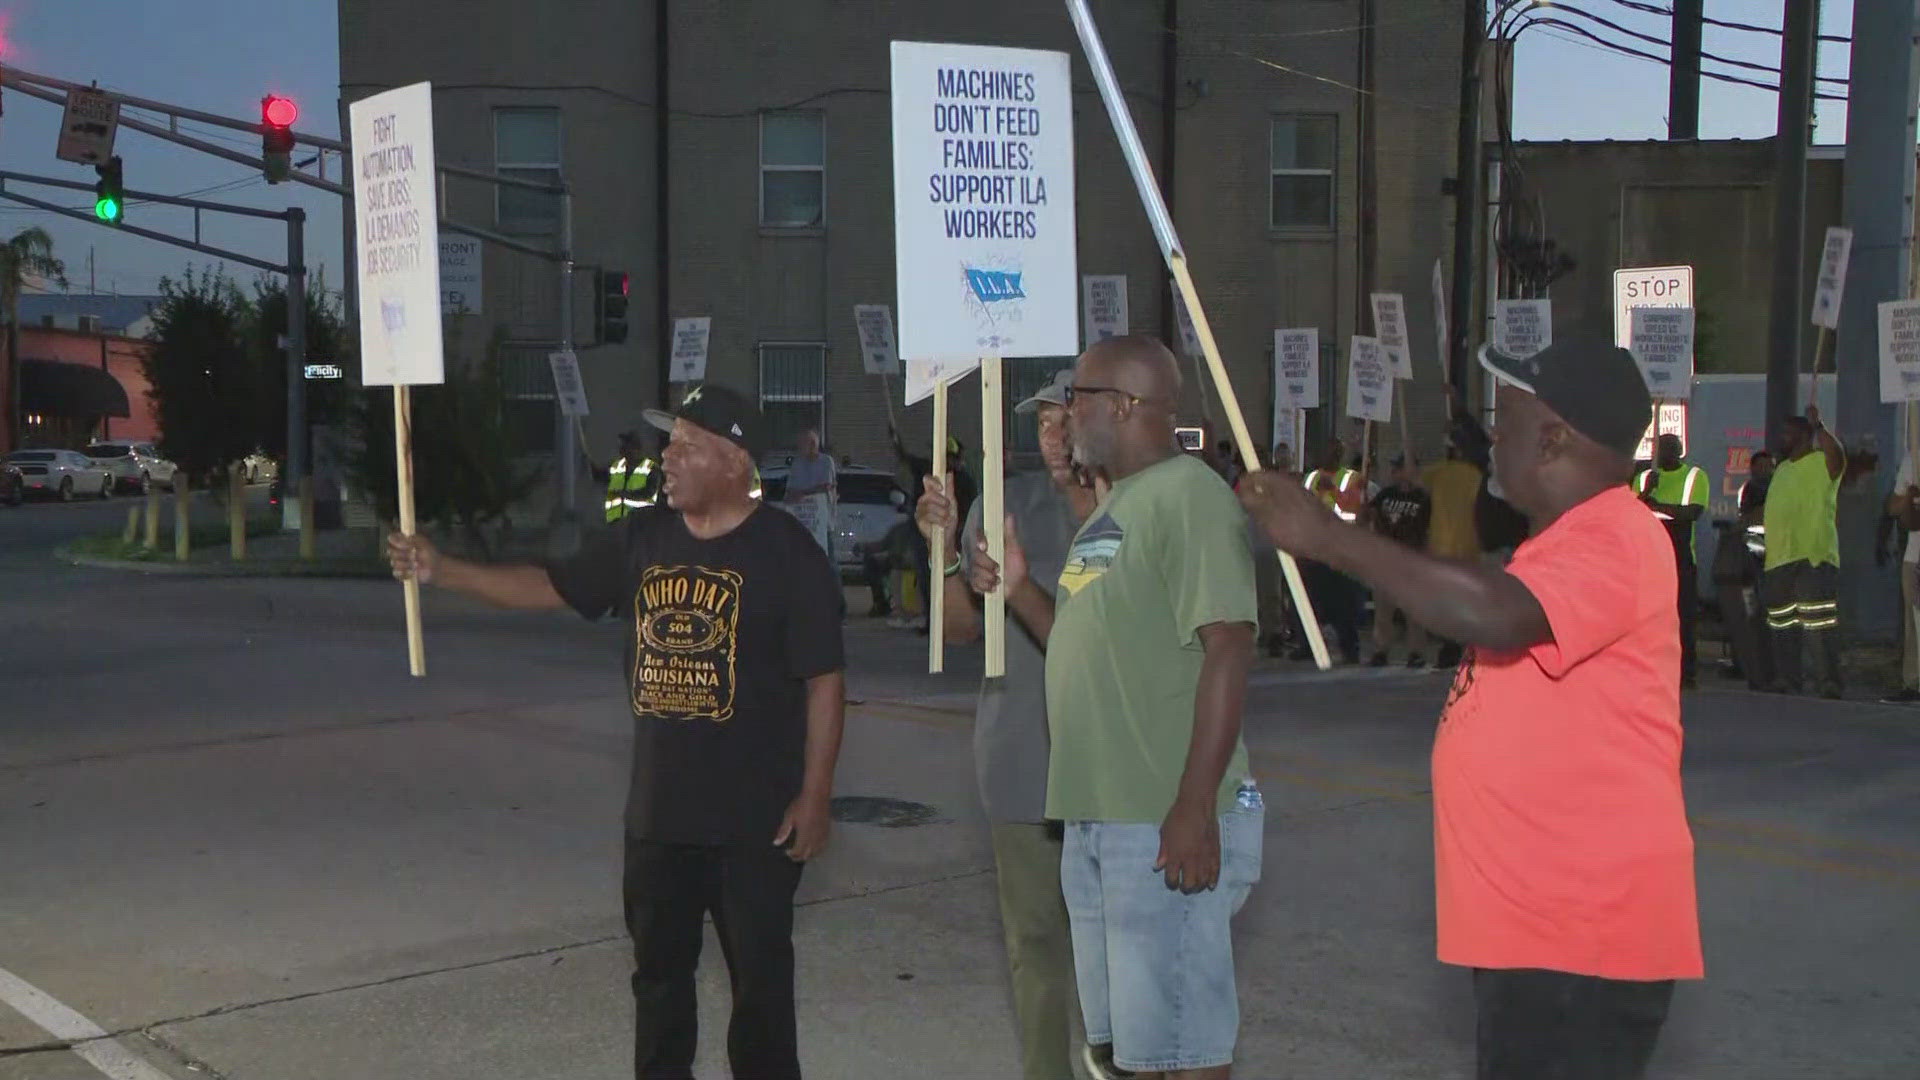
85	1038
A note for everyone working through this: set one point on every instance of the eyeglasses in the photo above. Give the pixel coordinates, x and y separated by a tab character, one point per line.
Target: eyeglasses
1074	391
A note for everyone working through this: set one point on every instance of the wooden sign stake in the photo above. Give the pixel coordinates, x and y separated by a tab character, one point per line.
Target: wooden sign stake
403	463
936	587
993	509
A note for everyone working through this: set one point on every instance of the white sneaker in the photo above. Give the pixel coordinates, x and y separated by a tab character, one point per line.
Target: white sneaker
1099	1063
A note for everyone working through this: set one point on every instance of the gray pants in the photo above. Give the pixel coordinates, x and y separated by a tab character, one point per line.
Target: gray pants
1803	600
1033	916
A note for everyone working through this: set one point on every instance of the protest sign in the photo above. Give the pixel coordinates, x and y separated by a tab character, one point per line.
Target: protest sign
1662	344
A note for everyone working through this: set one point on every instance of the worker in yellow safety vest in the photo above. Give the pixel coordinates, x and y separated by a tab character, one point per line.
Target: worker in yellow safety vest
1676	492
633	481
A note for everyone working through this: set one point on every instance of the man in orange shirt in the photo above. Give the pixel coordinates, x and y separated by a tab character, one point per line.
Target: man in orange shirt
1563	861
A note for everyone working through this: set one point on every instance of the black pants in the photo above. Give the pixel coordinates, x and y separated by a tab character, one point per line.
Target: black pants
1801	598
1688	601
670	888
904	548
1336	600
1550	1025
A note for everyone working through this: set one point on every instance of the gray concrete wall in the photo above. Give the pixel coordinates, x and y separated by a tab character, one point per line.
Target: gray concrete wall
1705	204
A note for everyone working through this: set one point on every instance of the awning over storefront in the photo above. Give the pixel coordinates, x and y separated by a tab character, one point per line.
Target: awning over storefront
51	388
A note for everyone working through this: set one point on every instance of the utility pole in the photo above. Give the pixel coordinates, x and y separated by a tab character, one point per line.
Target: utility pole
1683	73
1788	316
299	467
1466	192
1879	210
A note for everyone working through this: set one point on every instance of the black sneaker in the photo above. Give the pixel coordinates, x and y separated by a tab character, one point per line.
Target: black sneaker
1906	695
1416	662
1099	1063
1379	660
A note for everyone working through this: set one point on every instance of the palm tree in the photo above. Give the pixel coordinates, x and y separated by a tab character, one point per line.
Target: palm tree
28	256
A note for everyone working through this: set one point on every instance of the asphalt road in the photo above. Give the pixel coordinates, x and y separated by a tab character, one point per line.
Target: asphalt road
237	840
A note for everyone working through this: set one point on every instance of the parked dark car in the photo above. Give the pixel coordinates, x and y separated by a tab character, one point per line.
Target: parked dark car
13	486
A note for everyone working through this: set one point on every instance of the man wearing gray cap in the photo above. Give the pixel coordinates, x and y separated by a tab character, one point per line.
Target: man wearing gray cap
1563	861
1010	743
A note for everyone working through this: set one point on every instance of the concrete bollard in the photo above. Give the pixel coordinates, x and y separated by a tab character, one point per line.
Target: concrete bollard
237	514
307	529
132	532
153	518
182	535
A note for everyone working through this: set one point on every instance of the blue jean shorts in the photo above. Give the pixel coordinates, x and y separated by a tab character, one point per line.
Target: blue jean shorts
1155	966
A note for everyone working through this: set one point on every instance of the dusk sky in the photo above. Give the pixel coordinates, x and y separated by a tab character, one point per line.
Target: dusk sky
222	55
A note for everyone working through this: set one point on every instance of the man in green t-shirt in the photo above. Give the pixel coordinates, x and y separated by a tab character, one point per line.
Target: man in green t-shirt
1801	585
1676	491
1148	649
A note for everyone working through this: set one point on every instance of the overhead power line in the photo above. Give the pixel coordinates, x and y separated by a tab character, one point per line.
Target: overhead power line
1751	28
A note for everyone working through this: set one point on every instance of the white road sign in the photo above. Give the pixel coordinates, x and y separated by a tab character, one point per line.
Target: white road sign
462	260
1522	327
1369	381
690	336
1669	418
877	352
1390	325
1663	347
397	236
1833	277
1647	286
567	387
87	127
1900	351
983	202
1296	368
1103	303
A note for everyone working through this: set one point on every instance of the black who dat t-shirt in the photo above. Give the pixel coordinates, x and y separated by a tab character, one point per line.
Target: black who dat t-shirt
722	635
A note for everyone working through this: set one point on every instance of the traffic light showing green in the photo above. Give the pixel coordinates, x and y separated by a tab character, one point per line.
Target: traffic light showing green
109	195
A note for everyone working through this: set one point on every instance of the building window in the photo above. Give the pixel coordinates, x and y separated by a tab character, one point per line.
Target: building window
793	391
1302	164
793	170
526	146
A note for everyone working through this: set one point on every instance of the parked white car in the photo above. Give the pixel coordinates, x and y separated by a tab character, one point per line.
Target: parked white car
136	466
258	467
67	474
870	503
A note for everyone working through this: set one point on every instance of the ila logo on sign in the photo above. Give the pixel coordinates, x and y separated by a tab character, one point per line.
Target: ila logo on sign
993	286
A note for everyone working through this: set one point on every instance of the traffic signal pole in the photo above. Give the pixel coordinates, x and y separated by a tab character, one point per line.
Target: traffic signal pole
55	91
295	270
566	511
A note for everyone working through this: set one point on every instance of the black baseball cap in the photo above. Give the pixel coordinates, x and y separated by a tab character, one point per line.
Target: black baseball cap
1586	379
722	410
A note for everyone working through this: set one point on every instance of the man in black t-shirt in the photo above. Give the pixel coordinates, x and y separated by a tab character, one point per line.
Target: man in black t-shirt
1402	513
733	672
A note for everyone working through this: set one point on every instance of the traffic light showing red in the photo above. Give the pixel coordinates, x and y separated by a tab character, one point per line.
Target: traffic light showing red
277	111
277	115
613	306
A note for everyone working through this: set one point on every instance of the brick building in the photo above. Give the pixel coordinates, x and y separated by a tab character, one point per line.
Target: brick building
81	374
1304	142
